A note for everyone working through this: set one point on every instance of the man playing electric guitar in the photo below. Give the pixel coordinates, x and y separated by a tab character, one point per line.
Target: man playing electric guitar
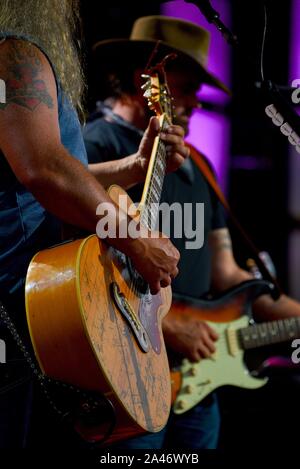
212	267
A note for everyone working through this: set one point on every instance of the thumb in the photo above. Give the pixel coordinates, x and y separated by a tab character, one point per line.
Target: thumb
148	137
153	127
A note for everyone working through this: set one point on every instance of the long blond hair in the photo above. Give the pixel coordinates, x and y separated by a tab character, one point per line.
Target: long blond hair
55	26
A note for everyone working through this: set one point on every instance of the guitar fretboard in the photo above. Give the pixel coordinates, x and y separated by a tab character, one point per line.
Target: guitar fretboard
150	207
267	333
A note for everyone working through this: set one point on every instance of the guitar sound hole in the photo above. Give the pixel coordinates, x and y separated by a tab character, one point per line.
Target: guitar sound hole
141	286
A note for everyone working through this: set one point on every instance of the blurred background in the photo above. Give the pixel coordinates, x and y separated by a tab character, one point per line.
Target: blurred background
258	168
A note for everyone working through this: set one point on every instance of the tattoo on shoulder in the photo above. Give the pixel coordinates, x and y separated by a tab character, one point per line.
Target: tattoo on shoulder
225	245
23	82
225	241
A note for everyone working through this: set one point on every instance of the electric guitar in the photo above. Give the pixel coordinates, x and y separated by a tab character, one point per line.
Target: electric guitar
92	320
228	315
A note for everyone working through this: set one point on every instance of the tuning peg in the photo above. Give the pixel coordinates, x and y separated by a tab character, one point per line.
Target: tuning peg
147	94
146	85
145	76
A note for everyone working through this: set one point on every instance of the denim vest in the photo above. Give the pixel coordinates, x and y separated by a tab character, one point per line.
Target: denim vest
25	226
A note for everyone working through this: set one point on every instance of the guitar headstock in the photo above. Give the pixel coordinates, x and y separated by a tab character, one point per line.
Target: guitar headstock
157	92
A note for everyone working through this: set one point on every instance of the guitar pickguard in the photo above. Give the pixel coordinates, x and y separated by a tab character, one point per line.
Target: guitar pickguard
129	314
148	314
225	367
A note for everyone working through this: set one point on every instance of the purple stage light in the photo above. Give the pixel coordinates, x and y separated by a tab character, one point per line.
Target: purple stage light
210	131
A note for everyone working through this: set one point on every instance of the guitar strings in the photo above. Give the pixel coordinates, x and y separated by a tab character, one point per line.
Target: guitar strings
134	289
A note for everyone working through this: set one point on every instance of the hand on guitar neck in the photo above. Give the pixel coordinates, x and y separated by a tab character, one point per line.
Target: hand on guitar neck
172	136
153	255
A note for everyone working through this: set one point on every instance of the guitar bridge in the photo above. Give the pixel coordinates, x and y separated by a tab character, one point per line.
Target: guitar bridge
129	314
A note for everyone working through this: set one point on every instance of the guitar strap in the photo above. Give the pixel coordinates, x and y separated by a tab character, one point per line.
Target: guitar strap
74	406
209	176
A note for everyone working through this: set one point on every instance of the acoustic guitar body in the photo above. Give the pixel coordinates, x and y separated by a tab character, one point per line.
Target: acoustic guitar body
94	324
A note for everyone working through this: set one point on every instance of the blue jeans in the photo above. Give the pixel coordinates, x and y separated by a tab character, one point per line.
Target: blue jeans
197	428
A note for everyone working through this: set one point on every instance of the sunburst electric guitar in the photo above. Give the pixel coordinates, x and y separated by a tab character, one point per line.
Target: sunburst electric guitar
92	319
229	316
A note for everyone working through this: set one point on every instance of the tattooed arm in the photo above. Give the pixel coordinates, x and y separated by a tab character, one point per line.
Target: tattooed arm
126	172
226	273
30	141
30	138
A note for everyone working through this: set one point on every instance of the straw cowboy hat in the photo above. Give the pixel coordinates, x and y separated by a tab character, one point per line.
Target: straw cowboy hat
189	41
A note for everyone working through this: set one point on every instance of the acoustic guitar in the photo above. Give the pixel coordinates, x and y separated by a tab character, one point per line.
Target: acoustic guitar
229	316
92	320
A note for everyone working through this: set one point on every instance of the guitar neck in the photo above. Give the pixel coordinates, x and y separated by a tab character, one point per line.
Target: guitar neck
149	205
267	333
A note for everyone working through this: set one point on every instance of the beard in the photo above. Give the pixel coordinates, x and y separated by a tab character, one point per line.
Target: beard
53	25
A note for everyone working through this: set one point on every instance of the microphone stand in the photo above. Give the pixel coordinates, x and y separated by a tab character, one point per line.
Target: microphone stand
271	91
213	17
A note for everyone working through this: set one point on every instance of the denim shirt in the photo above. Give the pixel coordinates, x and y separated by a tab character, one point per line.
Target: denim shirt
25	225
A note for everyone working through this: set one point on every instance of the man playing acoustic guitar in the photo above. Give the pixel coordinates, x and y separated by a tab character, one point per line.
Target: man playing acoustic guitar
44	179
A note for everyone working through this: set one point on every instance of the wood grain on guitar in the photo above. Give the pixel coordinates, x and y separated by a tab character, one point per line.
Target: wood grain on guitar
94	324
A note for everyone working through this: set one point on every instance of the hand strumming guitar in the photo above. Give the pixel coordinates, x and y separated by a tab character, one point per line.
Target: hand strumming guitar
191	338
